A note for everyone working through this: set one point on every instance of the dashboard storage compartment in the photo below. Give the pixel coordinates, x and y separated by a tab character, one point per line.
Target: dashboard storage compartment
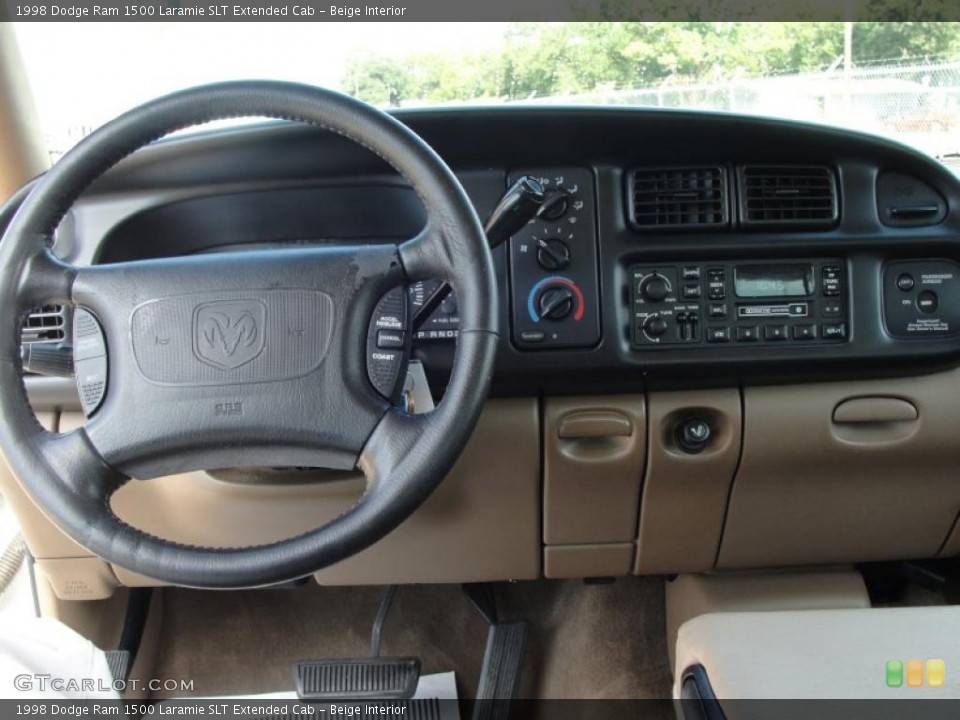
843	472
594	451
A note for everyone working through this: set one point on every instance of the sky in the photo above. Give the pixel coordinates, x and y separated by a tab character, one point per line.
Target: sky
84	74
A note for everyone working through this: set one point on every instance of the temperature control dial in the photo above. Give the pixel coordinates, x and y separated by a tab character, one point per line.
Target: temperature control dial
556	303
555	298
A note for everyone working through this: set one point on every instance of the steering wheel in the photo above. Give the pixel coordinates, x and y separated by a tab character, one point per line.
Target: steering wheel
234	359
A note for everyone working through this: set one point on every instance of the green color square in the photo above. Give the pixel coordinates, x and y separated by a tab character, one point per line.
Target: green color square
894	673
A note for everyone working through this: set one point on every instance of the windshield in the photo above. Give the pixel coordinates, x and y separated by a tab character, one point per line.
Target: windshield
901	80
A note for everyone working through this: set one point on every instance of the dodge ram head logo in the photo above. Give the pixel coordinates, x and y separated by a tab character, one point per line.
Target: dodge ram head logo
229	334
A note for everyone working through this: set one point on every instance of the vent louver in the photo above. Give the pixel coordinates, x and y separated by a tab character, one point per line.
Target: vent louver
788	195
678	198
44	325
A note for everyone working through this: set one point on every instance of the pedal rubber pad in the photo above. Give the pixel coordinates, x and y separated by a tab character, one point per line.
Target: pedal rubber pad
357	678
119	663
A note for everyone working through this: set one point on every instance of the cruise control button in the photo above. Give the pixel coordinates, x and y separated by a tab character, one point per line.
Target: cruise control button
747	333
835	331
804	332
927	301
906	282
389	339
718	334
775	332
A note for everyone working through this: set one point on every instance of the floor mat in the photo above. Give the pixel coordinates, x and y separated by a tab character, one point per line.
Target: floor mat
585	641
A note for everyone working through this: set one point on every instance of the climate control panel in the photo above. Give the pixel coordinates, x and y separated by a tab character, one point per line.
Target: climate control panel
553	265
739	303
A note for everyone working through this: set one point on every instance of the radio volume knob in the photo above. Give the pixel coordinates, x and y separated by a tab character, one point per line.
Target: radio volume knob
654	289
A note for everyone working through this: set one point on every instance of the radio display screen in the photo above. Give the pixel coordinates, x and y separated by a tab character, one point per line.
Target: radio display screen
763	281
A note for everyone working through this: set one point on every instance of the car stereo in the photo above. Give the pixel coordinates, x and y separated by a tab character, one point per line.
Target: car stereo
794	302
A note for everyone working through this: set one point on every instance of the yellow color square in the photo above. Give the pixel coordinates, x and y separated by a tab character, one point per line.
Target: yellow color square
914	673
935	673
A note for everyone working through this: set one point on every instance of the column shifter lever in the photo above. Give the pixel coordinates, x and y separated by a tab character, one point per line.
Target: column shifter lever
516	208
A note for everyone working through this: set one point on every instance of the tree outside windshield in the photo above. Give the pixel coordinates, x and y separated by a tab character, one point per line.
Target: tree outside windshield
901	80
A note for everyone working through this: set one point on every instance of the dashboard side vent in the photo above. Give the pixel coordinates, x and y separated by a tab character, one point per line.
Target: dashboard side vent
788	195
45	325
678	198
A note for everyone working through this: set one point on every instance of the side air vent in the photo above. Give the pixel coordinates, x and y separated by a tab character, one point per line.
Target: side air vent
678	198
45	325
788	195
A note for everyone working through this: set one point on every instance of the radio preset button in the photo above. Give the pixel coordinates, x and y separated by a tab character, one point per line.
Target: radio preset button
747	333
834	331
718	335
804	332
775	332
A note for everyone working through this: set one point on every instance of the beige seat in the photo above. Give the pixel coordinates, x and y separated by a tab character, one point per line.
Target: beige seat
831	654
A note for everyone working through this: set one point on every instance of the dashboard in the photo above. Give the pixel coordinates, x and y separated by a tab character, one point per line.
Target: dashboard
731	342
760	250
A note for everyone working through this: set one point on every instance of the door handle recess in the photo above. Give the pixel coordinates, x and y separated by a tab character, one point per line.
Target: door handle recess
594	424
875	410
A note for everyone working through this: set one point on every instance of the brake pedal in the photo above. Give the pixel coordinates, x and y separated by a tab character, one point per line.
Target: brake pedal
357	679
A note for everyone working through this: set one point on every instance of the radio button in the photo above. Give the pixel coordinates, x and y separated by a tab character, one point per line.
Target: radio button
691	292
775	332
747	333
804	332
718	335
831	280
833	308
833	331
717	310
690	273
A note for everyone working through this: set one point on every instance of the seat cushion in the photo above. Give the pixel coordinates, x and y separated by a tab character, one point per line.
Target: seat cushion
830	654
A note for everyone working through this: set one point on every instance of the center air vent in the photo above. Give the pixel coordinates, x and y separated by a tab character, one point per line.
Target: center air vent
678	198
44	325
788	195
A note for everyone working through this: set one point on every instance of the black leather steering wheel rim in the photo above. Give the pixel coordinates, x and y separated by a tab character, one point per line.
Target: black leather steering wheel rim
72	476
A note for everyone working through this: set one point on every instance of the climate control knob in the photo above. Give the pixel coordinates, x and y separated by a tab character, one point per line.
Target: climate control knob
555	302
654	288
654	326
553	254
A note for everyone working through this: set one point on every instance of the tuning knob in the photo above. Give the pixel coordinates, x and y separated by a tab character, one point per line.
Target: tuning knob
654	326
553	254
555	303
654	288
